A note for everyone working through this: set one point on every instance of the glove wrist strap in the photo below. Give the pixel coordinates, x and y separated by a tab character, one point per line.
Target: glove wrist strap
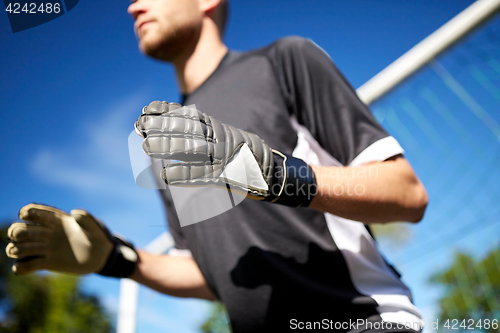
294	182
122	260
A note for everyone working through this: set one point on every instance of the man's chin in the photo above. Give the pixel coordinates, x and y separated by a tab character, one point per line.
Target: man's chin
148	48
168	48
156	51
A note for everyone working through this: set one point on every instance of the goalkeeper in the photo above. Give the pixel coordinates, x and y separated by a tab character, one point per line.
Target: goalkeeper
302	252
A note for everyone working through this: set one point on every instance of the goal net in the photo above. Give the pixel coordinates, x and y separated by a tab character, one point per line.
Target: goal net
446	115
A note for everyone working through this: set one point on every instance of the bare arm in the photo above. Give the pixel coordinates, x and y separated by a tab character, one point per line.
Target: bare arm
172	275
378	192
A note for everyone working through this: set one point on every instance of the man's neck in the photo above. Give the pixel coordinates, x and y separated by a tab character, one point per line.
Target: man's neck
193	69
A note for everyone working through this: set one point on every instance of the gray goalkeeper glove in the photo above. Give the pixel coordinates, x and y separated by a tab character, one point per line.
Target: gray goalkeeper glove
78	243
211	153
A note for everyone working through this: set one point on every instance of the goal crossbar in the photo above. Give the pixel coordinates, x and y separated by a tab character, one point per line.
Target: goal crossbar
437	42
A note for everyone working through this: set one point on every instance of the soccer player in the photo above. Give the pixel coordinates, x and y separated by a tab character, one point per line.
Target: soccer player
299	255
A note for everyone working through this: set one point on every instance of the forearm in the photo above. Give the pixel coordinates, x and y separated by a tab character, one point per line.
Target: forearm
375	193
172	275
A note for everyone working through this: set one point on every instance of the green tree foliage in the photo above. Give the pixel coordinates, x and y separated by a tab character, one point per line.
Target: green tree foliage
472	289
217	322
53	303
395	234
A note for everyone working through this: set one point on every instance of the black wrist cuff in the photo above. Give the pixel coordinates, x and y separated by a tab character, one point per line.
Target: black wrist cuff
294	182
122	260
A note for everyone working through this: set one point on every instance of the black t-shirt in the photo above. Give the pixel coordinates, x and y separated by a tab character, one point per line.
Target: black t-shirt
271	264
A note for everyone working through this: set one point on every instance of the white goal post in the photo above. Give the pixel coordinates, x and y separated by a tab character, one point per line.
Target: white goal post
129	290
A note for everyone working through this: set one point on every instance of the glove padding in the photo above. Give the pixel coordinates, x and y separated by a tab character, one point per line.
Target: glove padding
78	243
213	153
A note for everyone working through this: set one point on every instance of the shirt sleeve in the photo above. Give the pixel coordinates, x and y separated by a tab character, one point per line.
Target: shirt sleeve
322	101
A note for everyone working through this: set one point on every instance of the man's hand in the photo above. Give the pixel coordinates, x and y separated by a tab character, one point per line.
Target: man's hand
212	153
73	243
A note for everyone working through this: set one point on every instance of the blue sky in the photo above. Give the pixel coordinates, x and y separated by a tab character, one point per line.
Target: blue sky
72	88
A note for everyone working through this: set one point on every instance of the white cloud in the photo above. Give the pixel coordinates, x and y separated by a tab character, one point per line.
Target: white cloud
99	162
